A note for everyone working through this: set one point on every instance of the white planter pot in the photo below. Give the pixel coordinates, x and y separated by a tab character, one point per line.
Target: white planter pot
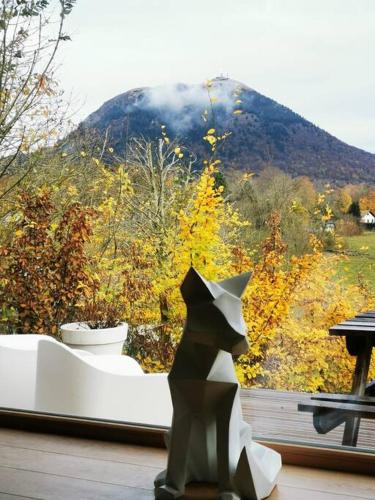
101	341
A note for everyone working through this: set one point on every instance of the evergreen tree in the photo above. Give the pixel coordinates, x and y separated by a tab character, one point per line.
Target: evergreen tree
354	209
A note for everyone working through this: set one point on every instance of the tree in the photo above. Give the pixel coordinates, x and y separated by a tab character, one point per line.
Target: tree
161	174
256	197
306	191
367	202
355	209
269	295
206	229
28	92
342	202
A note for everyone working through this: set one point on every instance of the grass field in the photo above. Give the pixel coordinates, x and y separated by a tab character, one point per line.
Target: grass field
361	257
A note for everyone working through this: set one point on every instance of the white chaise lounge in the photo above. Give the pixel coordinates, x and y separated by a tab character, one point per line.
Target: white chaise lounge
38	373
107	387
18	358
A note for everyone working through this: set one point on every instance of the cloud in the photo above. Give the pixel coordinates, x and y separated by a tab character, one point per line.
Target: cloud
182	105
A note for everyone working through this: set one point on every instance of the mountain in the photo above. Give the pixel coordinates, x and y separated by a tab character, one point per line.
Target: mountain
263	132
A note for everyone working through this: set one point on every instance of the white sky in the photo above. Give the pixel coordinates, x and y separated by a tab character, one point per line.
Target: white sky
314	56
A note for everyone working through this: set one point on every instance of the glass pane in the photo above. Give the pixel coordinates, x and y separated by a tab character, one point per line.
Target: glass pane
103	216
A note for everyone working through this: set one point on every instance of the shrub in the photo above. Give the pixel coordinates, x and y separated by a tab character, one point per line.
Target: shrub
348	226
43	267
100	314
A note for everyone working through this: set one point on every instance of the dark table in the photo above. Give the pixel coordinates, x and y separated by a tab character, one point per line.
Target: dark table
331	410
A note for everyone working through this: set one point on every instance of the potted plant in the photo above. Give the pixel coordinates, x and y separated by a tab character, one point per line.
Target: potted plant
98	329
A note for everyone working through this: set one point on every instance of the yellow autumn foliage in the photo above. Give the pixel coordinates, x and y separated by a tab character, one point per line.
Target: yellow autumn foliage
303	355
142	246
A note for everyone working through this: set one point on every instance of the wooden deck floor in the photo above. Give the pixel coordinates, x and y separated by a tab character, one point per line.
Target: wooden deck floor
42	466
274	415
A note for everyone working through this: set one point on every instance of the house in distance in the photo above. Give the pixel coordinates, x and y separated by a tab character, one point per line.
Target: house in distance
368	218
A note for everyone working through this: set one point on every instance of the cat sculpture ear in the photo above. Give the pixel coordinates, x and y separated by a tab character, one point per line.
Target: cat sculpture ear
236	286
195	288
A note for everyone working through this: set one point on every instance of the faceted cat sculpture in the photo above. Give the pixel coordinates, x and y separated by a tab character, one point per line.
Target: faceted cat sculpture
209	441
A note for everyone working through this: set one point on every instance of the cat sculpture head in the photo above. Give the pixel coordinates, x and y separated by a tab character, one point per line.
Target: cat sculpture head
214	311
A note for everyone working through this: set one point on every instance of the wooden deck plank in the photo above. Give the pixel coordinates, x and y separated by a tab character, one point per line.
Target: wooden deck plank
48	487
6	496
287	493
82	448
316	479
33	472
275	415
58	464
141	477
281	492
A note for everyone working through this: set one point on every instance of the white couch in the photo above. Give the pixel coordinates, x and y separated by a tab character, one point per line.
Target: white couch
39	373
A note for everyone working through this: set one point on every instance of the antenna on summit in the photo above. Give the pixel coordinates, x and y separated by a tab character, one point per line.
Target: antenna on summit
222	77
